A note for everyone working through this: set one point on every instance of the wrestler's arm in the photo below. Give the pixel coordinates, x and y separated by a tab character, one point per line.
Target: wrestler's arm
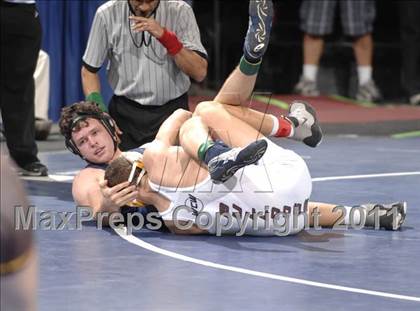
194	230
86	191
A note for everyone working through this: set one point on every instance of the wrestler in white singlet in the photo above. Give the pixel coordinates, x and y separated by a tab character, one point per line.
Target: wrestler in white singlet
280	182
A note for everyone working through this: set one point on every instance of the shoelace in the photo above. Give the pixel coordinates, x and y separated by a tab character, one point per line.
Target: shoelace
228	155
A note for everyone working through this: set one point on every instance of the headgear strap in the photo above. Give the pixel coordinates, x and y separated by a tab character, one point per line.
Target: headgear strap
137	169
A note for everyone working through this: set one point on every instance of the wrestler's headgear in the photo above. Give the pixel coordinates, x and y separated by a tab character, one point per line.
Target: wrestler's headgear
136	173
102	117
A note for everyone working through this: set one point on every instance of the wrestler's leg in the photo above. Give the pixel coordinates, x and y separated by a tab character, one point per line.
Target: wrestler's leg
215	115
222	160
219	124
387	216
194	134
300	124
239	85
237	126
323	212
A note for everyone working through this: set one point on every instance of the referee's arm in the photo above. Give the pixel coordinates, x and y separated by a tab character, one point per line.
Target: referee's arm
93	58
90	81
192	58
92	86
192	64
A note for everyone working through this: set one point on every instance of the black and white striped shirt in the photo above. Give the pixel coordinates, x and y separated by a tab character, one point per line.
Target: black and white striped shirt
21	1
147	74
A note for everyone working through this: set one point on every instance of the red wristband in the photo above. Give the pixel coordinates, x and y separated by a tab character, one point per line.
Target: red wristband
170	41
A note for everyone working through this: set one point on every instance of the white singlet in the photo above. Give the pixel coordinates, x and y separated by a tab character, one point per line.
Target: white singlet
280	182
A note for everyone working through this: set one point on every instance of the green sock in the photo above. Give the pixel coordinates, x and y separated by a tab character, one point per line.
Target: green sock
203	149
248	68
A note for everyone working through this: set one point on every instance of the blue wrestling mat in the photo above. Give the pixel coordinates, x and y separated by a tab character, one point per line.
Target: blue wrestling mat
92	269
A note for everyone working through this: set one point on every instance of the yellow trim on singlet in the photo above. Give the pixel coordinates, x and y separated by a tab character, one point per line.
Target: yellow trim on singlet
136	203
15	264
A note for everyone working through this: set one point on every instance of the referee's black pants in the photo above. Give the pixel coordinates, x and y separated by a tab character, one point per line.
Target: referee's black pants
140	123
20	44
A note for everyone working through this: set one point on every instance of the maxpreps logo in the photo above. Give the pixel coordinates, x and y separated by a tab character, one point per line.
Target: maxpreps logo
196	204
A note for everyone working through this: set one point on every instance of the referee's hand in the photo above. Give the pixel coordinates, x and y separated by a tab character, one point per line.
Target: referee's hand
146	24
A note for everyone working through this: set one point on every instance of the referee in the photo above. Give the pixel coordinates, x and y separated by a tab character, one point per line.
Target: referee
153	48
19	49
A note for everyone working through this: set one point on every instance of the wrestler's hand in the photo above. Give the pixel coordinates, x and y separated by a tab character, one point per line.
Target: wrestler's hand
117	196
146	24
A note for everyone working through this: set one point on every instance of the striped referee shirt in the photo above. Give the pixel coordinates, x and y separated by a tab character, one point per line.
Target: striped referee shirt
21	1
145	73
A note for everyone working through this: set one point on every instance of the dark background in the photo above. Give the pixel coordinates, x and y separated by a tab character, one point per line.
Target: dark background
283	62
223	24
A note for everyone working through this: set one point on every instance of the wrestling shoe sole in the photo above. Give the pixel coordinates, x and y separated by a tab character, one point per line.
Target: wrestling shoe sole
249	155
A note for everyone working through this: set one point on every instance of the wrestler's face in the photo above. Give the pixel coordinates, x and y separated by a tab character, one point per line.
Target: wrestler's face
94	142
143	7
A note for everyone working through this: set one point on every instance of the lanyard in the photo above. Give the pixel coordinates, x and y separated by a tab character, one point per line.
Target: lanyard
143	41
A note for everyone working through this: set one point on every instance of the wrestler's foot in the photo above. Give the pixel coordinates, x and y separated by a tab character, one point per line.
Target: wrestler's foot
305	124
391	216
225	165
258	35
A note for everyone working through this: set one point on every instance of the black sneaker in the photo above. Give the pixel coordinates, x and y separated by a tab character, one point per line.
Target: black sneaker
391	216
259	26
224	166
33	169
